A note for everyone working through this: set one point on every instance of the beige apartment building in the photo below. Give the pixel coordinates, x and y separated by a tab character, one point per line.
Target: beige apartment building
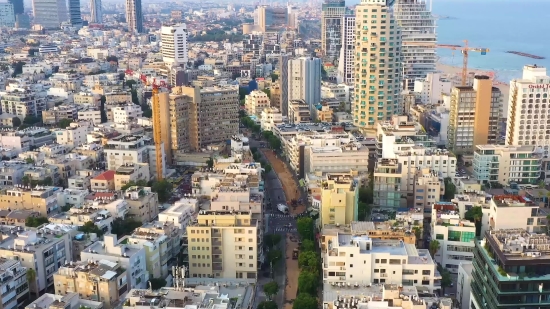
429	187
377	65
298	112
103	182
223	244
474	116
339	198
256	102
38	199
143	203
131	172
102	281
275	95
174	110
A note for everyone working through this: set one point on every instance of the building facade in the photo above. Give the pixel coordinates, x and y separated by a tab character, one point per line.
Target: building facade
96	12
304	80
506	164
75	16
174	44
49	13
7	16
134	16
332	12
346	63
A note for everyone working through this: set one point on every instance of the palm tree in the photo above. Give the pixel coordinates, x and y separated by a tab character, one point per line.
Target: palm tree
417	233
434	247
31	278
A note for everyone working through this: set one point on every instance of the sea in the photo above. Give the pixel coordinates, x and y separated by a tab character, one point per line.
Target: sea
500	26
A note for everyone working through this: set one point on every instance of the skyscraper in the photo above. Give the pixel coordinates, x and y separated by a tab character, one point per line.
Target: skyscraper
419	38
96	11
304	80
174	44
134	17
49	13
272	17
346	63
377	64
7	17
331	26
75	17
18	6
283	81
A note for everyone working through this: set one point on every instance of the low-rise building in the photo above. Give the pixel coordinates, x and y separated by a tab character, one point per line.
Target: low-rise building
143	203
68	301
181	213
131	172
103	182
428	188
13	284
256	102
339	199
39	199
298	112
270	117
16	217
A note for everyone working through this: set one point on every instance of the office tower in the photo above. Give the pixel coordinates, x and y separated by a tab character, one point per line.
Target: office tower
473	116
134	17
174	44
418	39
96	12
377	65
75	17
272	18
528	118
283	83
7	17
18	6
49	13
346	63
304	80
331	26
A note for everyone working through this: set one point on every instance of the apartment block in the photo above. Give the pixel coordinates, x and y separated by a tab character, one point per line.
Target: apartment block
13	283
39	199
455	236
74	135
22	102
131	172
54	115
299	112
143	203
223	244
175	121
69	301
132	258
479	106
80	216
256	102
93	115
161	241
124	113
339	199
43	250
101	281
304	76
270	117
181	213
346	64
429	188
430	89
103	182
507	164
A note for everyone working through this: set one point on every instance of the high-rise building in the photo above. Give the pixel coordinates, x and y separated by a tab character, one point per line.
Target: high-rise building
283	83
339	197
49	13
174	44
528	119
418	39
377	64
75	17
134	17
272	18
346	63
174	109
96	11
304	80
7	17
18	6
331	26
474	116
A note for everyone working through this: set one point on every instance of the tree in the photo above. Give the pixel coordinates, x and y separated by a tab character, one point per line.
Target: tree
305	301
267	305
307	261
31	119
274	256
139	183
417	233
307	283
157	283
210	163
475	214
363	210
272	240
267	169
163	188
308	245
271	289
124	227
89	227
35	221
446	279
268	92
18	68
434	247
305	228
274	77
29	160
31	278
342	107
112	59
450	189
16	121
63	123
102	109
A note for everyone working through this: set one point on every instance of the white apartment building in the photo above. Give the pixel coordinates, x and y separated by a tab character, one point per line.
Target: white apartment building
304	76
359	259
7	16
174	44
76	197
22	102
50	13
429	188
270	117
419	38
126	113
431	88
463	283
181	213
528	113
378	65
93	115
74	135
256	102
13	283
132	149
336	92
346	65
130	257
455	236
337	159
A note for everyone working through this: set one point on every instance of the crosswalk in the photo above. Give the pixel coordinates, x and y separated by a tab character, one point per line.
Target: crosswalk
280	216
286	229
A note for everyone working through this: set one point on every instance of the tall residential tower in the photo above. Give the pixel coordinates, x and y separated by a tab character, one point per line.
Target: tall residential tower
377	64
346	63
174	44
304	80
134	17
331	26
96	12
75	17
49	13
419	39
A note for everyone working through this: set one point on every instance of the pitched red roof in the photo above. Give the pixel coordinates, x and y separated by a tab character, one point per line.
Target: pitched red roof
108	175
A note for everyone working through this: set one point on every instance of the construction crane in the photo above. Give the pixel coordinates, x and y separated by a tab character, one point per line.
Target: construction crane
156	119
465	51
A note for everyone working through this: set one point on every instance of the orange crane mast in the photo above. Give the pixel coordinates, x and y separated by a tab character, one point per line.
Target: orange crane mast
157	136
464	49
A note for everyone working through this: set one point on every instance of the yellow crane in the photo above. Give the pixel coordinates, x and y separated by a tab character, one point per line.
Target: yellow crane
157	136
464	49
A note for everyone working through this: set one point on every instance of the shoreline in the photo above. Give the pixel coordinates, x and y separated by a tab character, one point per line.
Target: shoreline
456	71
